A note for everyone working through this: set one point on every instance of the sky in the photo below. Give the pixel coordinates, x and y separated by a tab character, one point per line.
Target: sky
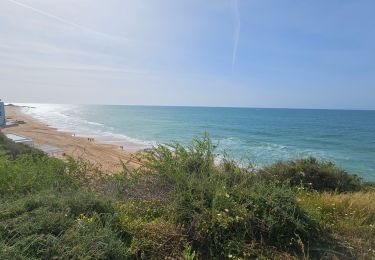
237	53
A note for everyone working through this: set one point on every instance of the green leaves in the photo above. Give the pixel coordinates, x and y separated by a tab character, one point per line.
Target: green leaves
312	173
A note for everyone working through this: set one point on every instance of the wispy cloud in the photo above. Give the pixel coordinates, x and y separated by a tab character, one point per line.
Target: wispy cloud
237	31
67	22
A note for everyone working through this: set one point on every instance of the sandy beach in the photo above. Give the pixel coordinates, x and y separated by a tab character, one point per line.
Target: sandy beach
106	155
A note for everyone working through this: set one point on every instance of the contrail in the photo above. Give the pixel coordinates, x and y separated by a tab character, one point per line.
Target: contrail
62	20
237	31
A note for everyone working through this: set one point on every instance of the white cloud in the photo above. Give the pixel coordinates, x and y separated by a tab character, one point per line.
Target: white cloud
118	51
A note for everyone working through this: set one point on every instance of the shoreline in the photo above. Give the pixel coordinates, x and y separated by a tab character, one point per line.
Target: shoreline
107	156
85	128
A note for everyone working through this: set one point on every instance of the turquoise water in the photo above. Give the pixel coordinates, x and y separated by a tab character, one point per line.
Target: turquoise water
261	136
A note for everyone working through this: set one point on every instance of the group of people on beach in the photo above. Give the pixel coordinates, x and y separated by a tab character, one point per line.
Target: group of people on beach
92	140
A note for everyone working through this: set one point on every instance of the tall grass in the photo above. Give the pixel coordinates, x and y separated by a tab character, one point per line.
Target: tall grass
7	147
30	172
50	225
48	211
228	211
179	205
349	218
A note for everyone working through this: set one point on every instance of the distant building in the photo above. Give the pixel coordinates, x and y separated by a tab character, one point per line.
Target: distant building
19	139
2	114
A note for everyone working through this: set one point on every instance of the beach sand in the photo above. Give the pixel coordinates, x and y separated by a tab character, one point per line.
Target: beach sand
106	155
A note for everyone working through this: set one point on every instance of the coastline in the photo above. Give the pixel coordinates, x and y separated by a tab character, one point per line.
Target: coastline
107	156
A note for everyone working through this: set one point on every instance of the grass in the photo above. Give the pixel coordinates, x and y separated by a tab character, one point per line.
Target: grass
349	218
226	210
48	209
69	226
181	205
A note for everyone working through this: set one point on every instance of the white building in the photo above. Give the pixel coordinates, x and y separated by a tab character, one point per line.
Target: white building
2	114
19	139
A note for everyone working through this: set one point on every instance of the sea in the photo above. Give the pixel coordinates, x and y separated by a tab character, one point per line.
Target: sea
259	136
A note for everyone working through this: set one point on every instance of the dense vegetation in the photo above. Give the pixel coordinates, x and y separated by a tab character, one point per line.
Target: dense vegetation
313	174
179	204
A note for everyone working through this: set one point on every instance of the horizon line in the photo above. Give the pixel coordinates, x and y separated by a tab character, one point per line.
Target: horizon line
193	106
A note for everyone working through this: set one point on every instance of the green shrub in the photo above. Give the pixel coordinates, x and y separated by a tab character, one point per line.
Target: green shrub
49	225
30	172
312	174
153	236
226	210
83	173
178	205
13	150
24	169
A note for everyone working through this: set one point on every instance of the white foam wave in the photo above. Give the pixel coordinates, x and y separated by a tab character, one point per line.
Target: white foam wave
63	118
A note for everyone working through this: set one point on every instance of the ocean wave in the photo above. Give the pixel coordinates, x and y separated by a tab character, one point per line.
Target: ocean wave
64	118
95	123
59	117
262	144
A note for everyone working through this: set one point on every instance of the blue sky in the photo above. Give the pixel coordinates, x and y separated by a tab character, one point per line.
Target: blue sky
280	53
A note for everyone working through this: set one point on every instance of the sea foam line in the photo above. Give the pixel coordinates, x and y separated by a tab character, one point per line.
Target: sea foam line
52	116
